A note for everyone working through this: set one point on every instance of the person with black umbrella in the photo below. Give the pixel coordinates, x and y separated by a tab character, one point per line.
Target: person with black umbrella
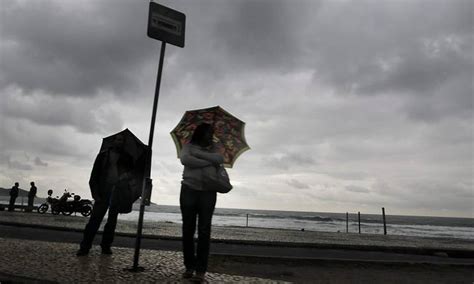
111	167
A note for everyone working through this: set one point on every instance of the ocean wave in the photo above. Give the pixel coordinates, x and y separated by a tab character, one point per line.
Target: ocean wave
288	217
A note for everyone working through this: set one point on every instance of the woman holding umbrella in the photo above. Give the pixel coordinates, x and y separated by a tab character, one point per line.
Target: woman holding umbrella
195	201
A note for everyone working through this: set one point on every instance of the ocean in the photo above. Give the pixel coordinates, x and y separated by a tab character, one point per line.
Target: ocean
422	226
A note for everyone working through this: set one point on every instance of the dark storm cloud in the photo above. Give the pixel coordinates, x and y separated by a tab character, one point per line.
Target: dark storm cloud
335	92
361	44
85	49
73	49
264	35
452	99
363	48
21	135
385	46
87	116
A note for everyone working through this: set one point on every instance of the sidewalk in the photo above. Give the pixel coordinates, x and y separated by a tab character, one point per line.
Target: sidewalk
30	261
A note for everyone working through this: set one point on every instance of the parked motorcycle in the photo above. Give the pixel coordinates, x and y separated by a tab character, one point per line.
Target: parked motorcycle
62	205
83	206
50	201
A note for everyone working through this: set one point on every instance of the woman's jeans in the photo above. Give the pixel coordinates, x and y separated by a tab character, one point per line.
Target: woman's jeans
198	204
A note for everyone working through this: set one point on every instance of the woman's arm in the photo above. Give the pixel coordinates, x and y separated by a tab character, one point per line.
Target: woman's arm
192	161
214	158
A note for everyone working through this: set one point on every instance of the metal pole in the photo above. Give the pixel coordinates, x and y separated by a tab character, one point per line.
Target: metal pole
148	164
358	213
247	220
347	222
384	222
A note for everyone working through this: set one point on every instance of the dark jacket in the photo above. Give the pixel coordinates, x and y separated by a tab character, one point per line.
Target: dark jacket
97	181
127	190
14	191
32	192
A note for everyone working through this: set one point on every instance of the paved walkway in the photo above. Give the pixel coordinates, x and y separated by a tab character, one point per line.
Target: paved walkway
25	260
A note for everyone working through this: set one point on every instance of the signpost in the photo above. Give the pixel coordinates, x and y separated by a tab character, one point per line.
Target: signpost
168	26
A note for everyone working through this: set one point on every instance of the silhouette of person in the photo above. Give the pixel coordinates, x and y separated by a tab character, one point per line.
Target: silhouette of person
195	201
13	195
31	196
110	167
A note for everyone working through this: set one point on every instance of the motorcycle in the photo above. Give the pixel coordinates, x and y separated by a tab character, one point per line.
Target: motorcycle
50	201
62	205
83	206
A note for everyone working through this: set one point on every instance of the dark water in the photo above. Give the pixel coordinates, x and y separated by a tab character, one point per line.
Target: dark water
327	222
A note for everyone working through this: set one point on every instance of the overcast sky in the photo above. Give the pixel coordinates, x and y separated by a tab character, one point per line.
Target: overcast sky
349	105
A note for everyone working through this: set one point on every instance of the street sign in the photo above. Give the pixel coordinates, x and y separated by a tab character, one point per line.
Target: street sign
166	24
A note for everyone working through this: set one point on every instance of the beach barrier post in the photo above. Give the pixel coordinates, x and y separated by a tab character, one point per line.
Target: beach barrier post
358	214
347	222
384	222
247	220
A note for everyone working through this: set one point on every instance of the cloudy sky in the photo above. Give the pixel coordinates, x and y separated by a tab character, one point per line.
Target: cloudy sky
350	105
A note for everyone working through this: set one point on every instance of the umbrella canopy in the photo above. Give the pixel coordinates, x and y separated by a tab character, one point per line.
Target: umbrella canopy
131	144
228	137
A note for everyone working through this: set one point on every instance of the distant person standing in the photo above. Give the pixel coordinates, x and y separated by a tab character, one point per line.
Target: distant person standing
196	201
31	196
111	166
13	195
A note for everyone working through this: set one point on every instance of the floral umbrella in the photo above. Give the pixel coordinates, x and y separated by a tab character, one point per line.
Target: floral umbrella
228	137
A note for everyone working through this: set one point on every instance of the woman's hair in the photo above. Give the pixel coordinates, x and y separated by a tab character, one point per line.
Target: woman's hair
199	135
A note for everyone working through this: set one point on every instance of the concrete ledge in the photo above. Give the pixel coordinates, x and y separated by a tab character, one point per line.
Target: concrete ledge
4	207
326	260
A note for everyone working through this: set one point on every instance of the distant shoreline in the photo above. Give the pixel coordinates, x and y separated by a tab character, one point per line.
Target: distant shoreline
4	198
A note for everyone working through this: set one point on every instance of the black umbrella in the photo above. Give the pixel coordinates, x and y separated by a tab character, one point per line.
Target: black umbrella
131	144
137	151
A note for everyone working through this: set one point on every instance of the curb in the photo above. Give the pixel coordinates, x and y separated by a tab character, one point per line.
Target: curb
325	260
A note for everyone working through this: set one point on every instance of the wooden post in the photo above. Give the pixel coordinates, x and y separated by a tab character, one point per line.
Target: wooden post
358	214
247	220
384	222
347	222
